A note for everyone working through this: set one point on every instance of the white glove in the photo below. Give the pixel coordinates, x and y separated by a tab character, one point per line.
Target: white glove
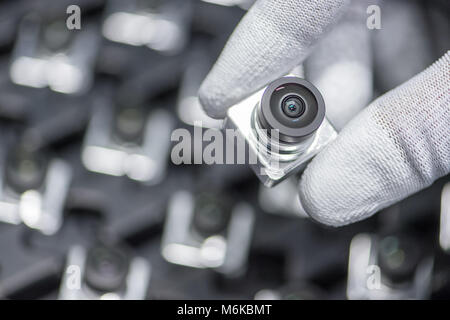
395	147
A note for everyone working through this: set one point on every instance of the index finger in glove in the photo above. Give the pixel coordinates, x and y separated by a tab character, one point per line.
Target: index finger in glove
395	147
272	38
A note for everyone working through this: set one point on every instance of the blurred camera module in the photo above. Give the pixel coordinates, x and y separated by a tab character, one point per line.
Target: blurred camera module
160	25
104	272
207	232
128	140
284	126
47	54
393	266
33	189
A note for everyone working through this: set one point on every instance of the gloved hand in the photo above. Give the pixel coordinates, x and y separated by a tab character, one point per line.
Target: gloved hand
396	146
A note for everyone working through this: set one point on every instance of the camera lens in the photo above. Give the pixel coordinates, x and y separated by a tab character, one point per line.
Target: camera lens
398	257
25	169
130	123
106	268
211	215
293	106
55	36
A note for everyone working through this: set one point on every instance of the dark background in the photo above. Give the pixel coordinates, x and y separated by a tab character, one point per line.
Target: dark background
290	255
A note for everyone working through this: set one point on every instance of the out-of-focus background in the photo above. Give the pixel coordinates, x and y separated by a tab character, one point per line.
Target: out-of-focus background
91	206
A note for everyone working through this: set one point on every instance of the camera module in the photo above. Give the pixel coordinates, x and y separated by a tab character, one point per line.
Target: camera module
284	127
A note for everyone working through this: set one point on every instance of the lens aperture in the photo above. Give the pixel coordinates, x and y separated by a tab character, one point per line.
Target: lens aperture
293	106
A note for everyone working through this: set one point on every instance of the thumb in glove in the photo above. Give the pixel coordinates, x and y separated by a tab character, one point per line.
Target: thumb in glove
395	147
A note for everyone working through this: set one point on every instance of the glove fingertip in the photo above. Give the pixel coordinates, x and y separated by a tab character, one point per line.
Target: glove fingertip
319	199
210	100
311	206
